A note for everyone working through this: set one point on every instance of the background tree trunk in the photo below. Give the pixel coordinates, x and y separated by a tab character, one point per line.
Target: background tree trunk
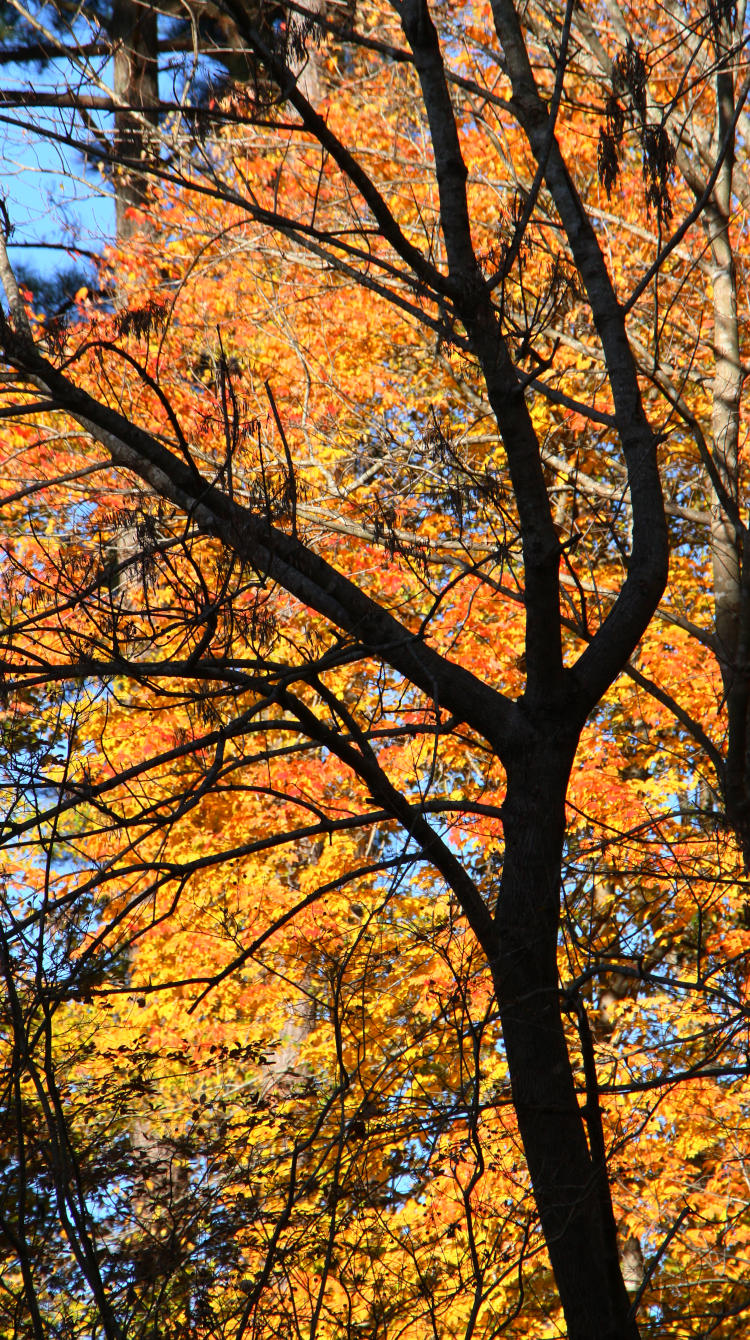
136	85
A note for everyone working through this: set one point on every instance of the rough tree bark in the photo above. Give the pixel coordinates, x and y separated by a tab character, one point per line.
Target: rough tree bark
136	87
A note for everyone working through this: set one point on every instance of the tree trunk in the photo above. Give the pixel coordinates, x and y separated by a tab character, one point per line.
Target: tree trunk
136	85
728	536
729	562
570	1185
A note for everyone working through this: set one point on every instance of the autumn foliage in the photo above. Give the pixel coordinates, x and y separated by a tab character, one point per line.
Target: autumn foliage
254	1078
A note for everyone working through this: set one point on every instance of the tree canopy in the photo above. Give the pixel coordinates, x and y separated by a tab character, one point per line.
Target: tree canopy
374	917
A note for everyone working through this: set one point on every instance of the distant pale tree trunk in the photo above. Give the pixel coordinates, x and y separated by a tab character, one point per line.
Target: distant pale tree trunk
136	87
309	77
